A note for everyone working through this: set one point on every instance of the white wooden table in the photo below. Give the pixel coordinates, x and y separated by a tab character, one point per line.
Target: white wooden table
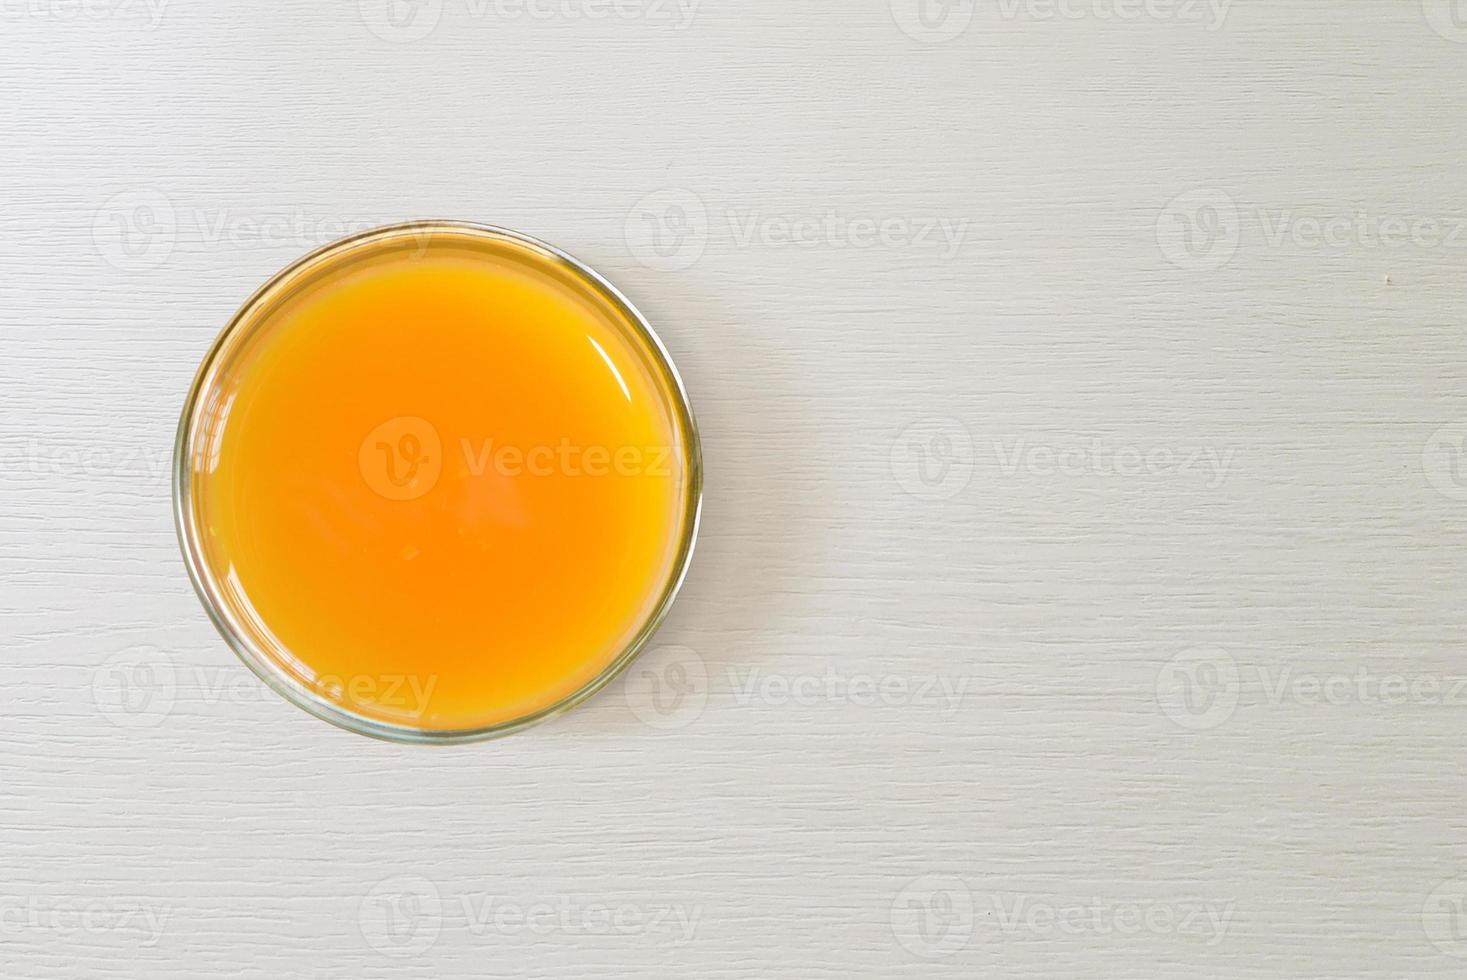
1081	589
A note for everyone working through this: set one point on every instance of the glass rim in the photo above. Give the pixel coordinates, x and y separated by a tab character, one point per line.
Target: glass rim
266	667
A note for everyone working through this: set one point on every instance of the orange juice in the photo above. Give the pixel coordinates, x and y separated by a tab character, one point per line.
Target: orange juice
437	480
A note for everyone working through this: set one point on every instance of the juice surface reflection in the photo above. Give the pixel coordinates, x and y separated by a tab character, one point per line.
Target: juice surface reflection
443	479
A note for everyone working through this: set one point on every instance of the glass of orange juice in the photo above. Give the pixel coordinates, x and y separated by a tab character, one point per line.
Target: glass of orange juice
437	482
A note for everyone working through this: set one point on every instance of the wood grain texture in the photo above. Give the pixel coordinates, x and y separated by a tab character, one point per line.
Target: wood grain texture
1064	580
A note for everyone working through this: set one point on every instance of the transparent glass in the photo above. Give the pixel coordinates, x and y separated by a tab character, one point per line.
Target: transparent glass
199	437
